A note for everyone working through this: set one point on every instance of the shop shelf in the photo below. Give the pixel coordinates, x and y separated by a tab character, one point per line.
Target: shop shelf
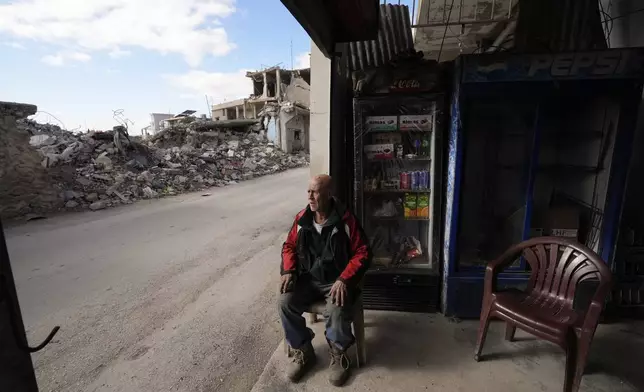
419	159
400	131
385	191
400	218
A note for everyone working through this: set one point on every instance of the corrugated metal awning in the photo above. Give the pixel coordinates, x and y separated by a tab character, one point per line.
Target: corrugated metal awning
394	38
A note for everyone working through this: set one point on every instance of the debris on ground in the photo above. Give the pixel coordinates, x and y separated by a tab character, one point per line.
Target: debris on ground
97	170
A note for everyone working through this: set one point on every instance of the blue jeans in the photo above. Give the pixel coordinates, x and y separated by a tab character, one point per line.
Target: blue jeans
338	319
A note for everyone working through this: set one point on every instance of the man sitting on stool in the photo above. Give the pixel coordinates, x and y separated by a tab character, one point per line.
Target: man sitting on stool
325	256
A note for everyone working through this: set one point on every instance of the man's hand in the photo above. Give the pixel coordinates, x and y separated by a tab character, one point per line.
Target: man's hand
339	293
287	281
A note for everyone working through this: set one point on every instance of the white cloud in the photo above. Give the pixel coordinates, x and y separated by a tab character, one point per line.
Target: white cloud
220	86
15	45
190	28
117	53
60	58
77	56
53	60
303	60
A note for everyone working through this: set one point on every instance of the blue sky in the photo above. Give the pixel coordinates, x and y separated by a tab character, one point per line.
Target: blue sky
79	61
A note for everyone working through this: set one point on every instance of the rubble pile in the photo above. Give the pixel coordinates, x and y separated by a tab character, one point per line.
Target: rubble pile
96	170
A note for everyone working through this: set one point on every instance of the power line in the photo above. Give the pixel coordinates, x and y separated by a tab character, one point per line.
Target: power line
449	16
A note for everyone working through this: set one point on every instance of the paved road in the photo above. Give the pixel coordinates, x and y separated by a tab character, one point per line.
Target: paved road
168	295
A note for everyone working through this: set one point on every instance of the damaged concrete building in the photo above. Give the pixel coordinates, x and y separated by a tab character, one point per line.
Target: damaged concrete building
46	169
280	101
161	121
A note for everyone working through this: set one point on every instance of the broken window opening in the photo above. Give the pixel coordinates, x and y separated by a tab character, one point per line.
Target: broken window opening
271	89
286	78
258	87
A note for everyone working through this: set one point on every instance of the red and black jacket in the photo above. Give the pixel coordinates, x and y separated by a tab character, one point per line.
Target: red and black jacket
346	255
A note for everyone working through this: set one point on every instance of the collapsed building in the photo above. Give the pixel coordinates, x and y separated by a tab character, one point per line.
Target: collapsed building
46	168
280	102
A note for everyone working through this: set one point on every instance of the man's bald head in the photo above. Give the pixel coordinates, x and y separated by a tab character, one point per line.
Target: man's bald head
320	191
324	181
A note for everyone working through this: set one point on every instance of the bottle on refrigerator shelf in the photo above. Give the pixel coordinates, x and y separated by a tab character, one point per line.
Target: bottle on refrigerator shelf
399	151
425	146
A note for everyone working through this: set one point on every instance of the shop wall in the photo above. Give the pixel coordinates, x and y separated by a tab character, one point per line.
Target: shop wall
628	31
320	123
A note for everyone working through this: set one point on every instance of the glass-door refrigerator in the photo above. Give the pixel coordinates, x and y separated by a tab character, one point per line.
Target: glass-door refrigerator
398	198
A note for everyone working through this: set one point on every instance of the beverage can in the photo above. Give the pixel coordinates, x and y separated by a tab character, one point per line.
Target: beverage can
404	180
421	180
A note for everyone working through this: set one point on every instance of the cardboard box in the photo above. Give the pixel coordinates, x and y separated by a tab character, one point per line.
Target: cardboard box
421	122
563	222
381	123
379	151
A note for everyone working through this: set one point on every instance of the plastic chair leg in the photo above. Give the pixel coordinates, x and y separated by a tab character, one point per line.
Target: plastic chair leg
483	327
510	330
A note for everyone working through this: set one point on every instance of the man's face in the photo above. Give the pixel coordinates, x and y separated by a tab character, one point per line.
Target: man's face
318	196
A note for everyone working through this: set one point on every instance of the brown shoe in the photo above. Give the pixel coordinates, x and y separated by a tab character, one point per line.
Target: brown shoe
340	367
303	359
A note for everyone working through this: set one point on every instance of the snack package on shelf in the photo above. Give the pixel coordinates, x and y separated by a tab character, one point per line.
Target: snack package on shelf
422	207
410	248
381	123
421	122
413	249
411	203
379	151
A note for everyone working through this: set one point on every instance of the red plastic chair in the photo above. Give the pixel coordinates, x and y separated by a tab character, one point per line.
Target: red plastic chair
545	309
